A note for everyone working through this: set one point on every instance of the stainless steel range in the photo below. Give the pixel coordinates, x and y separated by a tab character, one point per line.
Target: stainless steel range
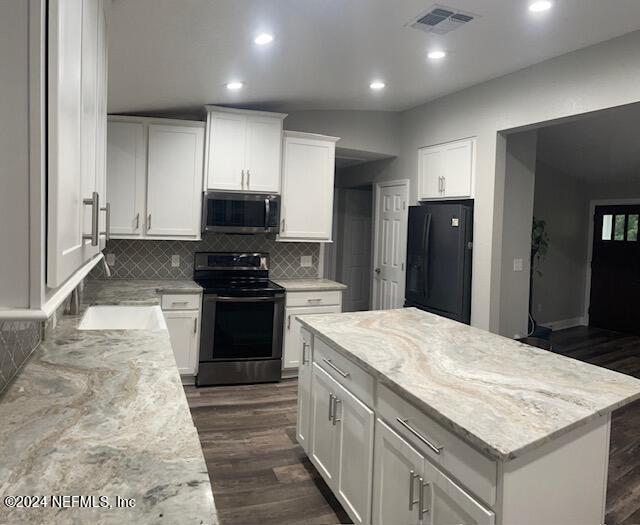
242	319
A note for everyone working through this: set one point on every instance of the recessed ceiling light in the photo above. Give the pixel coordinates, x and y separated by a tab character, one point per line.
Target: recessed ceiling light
235	86
377	84
435	55
263	38
540	5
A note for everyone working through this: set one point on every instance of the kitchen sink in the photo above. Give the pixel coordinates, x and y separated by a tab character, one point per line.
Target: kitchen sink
123	318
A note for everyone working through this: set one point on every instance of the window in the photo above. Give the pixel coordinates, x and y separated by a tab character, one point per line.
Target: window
618	232
607	224
632	228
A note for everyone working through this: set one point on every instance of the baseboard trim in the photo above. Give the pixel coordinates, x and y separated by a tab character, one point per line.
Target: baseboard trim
565	323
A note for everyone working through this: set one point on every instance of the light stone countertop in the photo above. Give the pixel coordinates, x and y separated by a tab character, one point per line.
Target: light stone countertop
103	413
309	285
503	397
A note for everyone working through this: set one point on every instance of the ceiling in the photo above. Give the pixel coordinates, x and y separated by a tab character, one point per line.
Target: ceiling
179	54
604	147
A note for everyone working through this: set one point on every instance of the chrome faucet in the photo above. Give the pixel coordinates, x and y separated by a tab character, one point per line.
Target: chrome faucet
107	270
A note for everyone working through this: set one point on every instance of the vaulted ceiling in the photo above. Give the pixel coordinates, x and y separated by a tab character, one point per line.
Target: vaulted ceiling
179	54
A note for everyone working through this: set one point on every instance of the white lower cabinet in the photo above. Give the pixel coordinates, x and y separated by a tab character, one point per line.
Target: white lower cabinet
304	391
184	330
409	489
342	443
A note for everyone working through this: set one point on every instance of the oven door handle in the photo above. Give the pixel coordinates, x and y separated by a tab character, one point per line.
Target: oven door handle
224	299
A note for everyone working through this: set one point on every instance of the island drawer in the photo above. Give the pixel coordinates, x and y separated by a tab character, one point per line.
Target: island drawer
470	467
345	372
180	301
314	298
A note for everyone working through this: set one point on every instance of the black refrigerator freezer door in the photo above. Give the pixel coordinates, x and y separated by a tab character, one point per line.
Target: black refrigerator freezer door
439	278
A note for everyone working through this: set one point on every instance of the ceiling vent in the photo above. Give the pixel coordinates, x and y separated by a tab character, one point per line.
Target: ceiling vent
441	20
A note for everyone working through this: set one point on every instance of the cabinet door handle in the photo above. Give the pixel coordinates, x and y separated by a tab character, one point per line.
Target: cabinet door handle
248	179
149	222
107	224
242	180
335	410
330	406
343	374
195	325
421	509
405	423
444	184
304	352
94	202
289	322
137	220
282	225
412	477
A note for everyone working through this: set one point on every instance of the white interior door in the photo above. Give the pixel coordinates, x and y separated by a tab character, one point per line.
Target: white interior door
397	467
263	154
355	249
227	137
126	162
174	180
65	253
390	245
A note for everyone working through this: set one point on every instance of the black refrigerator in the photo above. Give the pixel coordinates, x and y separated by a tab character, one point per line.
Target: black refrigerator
440	241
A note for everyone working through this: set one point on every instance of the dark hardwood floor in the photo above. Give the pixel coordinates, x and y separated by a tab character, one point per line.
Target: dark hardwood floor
259	473
619	352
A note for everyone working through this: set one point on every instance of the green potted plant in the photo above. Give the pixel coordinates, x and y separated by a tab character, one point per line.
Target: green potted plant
539	250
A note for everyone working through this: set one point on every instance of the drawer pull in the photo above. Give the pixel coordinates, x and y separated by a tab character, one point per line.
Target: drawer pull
435	448
343	374
179	302
316	300
412	477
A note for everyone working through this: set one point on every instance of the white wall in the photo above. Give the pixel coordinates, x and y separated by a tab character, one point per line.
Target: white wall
520	166
376	132
14	154
562	201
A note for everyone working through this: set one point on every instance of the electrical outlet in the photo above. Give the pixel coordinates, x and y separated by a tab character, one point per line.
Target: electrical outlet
518	265
305	261
175	261
111	259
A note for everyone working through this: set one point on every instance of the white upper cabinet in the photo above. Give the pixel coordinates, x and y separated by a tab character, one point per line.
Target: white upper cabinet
447	171
174	180
154	177
244	150
76	115
126	162
307	187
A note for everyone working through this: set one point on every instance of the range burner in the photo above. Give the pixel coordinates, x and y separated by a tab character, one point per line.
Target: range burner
242	319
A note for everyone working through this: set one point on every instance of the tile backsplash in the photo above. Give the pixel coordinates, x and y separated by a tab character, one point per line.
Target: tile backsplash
147	259
17	340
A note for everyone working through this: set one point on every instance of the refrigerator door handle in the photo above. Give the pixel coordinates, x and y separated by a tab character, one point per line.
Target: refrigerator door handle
426	242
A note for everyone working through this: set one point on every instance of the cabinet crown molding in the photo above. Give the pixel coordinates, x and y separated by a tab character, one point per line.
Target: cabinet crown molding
305	135
156	120
224	109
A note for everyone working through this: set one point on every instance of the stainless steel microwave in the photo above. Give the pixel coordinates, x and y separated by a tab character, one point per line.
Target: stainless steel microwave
240	213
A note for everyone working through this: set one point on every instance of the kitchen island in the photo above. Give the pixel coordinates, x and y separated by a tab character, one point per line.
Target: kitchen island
102	413
413	418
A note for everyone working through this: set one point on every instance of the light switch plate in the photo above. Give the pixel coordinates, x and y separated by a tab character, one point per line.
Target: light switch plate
518	265
175	261
305	261
111	259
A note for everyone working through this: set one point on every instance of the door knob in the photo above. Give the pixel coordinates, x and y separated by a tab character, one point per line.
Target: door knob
378	270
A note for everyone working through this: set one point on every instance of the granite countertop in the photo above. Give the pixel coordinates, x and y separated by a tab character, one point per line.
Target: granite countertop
503	397
103	413
309	285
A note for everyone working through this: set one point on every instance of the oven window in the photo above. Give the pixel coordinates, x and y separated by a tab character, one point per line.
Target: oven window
239	213
243	330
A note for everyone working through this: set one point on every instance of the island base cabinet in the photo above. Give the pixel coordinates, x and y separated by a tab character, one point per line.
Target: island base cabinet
304	392
342	444
409	489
